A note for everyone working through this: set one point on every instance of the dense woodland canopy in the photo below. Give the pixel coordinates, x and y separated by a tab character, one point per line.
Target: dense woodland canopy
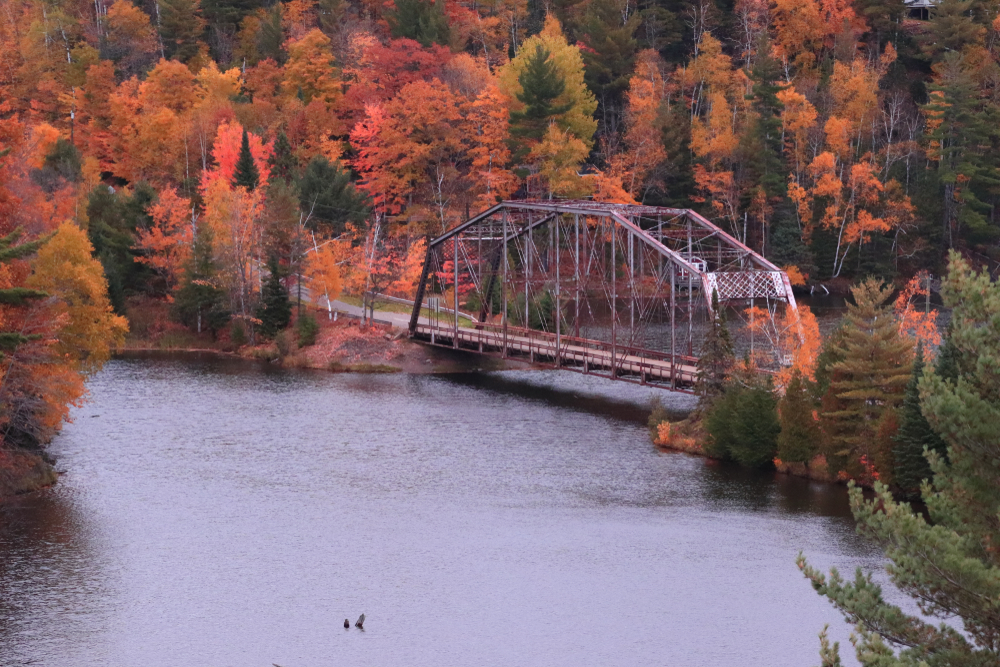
840	138
199	142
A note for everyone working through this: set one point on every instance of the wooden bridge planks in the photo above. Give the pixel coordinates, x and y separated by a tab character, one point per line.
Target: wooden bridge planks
570	355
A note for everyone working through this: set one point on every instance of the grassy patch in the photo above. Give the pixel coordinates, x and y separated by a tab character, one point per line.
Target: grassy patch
179	339
264	353
338	367
388	307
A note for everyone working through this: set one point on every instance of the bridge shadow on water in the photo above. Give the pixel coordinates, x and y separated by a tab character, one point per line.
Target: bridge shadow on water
522	385
723	484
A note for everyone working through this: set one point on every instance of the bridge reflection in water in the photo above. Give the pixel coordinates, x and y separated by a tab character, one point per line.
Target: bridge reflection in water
618	290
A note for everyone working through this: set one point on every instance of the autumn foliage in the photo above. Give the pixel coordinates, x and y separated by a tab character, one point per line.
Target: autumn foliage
795	125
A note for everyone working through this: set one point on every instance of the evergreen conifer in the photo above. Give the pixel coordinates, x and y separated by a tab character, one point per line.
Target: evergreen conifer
246	173
743	421
947	358
952	26
275	311
114	220
966	128
914	435
308	329
181	28
716	359
200	302
541	83
764	145
329	197
869	377
224	16
16	296
949	563
610	56
800	432
423	21
282	162
271	38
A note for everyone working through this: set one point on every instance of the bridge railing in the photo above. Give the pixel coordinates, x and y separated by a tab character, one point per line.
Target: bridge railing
586	354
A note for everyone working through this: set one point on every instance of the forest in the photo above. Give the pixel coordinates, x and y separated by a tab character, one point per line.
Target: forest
200	149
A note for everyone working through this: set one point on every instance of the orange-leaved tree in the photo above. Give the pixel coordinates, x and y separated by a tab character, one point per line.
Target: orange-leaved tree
917	319
322	274
166	244
66	270
789	341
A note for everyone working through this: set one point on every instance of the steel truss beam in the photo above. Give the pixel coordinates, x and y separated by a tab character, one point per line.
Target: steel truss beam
575	277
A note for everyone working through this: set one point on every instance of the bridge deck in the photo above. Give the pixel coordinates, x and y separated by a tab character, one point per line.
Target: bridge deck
579	354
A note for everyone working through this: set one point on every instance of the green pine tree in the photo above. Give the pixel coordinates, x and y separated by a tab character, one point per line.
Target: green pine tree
800	434
181	28
328	197
271	37
275	310
610	54
114	220
764	144
914	435
62	165
16	296
743	422
421	20
224	16
246	174
883	18
968	130
716	360
869	378
947	359
948	563
282	162
952	27
200	302
541	84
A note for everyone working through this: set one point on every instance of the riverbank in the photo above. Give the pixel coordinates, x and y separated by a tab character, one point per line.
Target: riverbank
341	345
24	472
688	435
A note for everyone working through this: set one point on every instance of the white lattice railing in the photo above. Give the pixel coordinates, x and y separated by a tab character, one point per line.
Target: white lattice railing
746	285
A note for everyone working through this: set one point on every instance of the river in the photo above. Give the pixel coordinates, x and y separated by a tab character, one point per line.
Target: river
219	513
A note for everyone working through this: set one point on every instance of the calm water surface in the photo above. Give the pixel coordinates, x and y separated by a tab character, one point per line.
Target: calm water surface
215	513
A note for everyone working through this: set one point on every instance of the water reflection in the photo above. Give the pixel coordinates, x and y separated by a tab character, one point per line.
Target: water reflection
218	512
50	567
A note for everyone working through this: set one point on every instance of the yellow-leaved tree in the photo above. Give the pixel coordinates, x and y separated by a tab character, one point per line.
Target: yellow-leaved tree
310	71
578	119
323	275
66	270
548	98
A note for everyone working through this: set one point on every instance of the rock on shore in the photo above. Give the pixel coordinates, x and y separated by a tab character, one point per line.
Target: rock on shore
22	472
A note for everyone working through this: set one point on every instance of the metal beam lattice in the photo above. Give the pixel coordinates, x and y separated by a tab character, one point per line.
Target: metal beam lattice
618	290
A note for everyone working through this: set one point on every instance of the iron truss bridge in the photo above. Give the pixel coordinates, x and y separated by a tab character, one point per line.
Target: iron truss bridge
622	291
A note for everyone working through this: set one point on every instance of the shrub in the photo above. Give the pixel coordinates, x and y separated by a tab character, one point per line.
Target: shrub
283	341
743	425
657	416
237	334
308	329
